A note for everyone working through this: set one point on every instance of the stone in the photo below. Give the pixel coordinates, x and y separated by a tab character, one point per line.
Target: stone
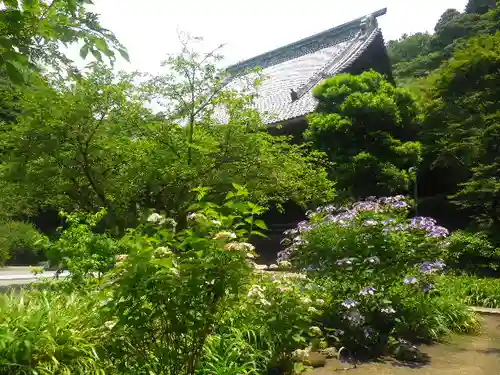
330	352
315	359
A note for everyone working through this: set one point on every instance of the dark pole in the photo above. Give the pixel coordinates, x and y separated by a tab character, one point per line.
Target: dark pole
415	188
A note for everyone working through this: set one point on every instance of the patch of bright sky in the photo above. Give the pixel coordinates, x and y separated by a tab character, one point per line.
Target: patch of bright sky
148	28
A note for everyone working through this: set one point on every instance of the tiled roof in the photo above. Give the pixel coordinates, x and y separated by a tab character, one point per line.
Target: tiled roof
301	65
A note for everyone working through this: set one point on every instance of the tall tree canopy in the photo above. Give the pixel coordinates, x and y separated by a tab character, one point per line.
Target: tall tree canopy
31	33
418	55
94	143
463	127
479	6
367	127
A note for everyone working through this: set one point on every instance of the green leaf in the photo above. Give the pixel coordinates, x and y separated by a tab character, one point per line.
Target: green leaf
96	54
100	44
11	3
15	72
6	43
258	234
298	338
28	4
72	6
124	54
164	262
260	224
84	51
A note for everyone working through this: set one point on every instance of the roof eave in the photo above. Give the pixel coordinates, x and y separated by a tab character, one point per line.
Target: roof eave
242	65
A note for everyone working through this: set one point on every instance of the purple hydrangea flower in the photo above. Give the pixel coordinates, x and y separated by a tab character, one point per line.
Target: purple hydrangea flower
410	280
427	288
368	332
310	268
438	231
350	303
372	260
345	261
370	290
399	204
355	318
430	267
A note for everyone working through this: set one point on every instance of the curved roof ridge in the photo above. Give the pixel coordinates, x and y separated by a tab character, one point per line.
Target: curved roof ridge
340	62
307	45
316	77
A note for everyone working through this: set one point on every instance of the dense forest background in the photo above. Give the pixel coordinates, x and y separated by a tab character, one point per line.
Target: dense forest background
454	74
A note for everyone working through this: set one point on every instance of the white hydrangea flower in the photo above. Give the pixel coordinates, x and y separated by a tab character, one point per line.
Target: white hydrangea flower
256	291
120	258
109	324
224	235
295	275
171	221
388	310
264	302
156	218
248	246
162	251
315	331
305	300
285	264
300	355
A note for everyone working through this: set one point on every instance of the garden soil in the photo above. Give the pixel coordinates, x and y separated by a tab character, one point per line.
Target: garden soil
461	355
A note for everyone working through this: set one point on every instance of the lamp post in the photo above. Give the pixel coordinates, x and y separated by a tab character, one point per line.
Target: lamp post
415	188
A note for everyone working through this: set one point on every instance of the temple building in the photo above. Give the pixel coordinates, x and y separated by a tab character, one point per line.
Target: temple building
292	71
285	96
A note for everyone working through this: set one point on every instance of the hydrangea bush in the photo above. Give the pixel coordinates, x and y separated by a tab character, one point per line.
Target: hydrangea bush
380	267
167	294
278	316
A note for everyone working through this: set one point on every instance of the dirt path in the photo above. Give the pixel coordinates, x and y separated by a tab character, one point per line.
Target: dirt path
463	355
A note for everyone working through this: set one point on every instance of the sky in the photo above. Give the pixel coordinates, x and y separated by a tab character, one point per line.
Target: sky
148	28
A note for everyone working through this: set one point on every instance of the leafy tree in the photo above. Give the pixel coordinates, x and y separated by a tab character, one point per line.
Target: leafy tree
32	31
73	145
19	242
408	47
416	56
462	127
93	143
479	6
367	127
446	17
223	140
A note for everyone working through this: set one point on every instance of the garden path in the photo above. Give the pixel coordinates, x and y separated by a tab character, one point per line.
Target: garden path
462	355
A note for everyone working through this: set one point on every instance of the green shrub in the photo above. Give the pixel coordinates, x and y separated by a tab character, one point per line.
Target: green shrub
80	250
51	333
167	295
275	317
472	253
20	243
472	290
381	270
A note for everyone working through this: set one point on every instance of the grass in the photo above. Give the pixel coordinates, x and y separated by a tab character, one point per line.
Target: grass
43	332
472	290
